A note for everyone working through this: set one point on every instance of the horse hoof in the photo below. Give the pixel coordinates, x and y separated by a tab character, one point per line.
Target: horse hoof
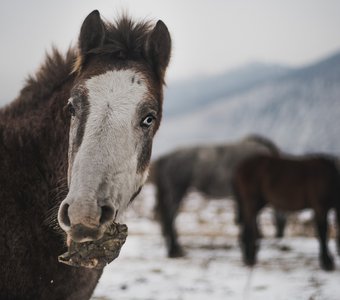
328	265
279	235
250	262
176	253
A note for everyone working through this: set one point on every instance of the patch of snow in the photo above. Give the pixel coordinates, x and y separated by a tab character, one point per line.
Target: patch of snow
213	269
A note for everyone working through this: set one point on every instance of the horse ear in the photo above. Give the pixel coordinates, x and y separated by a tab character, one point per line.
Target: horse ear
92	32
159	48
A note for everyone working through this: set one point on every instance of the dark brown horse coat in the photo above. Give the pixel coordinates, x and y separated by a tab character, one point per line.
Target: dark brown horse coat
288	184
34	133
33	178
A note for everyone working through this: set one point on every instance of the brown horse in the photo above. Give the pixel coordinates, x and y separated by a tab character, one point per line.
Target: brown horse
288	184
88	161
206	168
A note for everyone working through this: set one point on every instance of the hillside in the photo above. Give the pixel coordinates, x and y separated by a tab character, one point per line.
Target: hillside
187	96
299	109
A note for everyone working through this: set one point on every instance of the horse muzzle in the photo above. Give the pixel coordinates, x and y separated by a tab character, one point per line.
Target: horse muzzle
84	222
80	233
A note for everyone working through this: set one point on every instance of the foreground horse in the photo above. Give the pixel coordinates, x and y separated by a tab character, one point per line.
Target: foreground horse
206	168
94	154
288	184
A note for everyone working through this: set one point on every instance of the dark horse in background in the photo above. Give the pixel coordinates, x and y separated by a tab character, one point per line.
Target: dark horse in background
208	169
288	184
88	161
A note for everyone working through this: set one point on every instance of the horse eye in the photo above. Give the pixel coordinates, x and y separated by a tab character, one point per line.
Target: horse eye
147	122
71	109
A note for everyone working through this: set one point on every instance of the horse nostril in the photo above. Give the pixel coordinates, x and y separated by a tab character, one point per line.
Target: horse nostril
64	218
107	214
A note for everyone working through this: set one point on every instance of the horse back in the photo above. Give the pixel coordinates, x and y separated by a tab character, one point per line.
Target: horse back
290	183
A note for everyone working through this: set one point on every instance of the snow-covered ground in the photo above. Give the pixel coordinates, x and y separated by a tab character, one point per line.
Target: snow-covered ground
212	268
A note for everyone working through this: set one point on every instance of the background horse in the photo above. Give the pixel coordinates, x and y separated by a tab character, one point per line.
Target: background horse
206	168
94	155
288	184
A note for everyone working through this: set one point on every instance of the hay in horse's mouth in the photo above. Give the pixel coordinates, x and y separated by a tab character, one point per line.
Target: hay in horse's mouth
96	254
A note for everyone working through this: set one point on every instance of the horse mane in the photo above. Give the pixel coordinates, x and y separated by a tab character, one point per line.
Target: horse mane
264	141
124	39
55	70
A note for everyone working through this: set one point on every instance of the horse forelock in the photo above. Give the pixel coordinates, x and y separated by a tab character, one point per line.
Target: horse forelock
124	39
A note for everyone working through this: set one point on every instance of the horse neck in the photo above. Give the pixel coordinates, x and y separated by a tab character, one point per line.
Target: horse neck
36	131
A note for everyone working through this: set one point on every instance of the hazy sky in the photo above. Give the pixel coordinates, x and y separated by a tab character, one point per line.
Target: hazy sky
209	36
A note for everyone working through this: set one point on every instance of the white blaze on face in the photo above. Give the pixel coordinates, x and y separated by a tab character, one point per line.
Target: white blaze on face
105	167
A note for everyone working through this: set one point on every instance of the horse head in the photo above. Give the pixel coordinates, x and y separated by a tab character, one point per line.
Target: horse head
115	108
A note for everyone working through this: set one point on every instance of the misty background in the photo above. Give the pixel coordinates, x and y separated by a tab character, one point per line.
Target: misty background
238	67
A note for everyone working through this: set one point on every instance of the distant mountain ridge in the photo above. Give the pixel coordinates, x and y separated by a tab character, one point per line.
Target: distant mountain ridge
182	97
297	108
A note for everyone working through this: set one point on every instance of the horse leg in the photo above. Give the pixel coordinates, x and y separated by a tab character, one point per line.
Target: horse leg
326	259
280	222
249	236
238	212
237	204
167	209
